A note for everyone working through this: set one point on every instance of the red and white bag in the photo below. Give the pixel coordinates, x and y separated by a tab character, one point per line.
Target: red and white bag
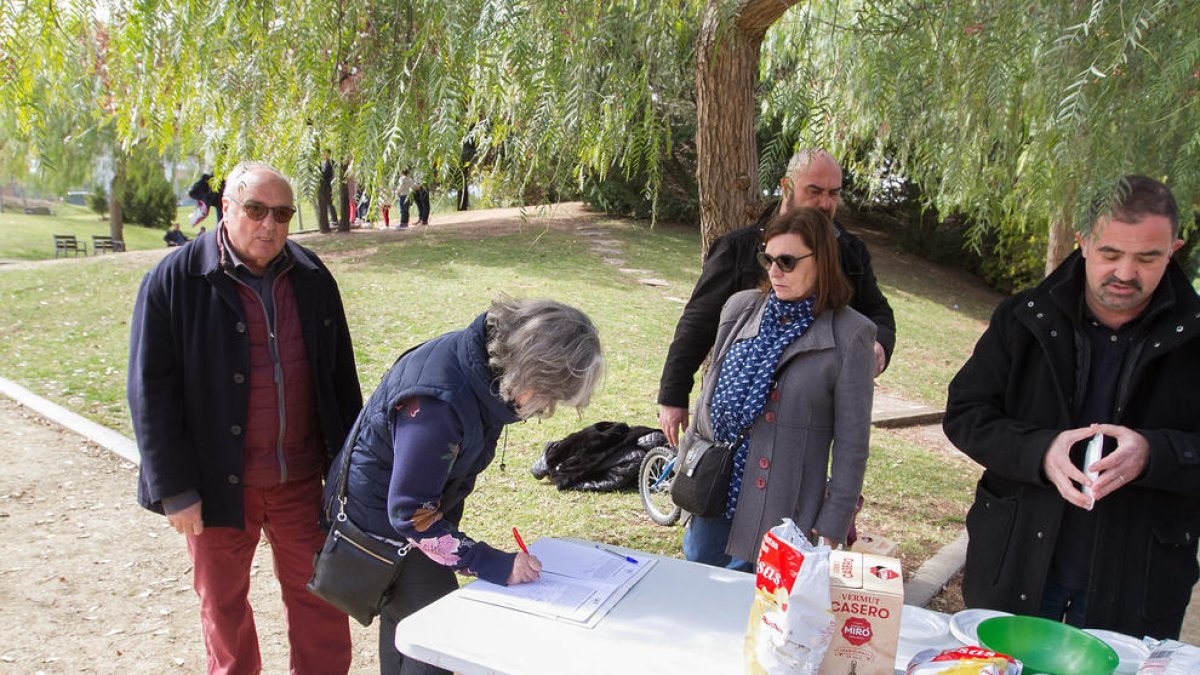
791	623
963	661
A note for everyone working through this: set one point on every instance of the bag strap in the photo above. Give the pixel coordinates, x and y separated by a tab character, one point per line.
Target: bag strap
351	438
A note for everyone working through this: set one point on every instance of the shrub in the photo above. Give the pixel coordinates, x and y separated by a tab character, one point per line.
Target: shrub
98	200
1014	259
148	199
678	197
1008	260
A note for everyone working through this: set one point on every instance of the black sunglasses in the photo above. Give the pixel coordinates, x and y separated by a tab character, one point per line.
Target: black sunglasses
256	212
787	263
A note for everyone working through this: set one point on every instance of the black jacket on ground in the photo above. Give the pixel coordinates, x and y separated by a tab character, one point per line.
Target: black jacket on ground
731	267
603	457
1020	388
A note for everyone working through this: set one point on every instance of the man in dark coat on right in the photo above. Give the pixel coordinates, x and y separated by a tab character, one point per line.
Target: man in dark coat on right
1108	344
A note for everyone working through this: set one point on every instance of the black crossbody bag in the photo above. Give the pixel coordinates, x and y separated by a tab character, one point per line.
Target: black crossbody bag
701	484
354	571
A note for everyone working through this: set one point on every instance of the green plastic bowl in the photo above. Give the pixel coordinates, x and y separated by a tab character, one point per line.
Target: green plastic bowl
1047	647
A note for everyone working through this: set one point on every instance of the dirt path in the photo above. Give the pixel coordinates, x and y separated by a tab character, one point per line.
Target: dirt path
89	583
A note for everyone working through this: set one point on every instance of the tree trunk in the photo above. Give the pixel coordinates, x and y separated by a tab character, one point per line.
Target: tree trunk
1061	242
726	152
116	191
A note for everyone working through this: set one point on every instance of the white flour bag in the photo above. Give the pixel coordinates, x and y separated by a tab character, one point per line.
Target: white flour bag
791	623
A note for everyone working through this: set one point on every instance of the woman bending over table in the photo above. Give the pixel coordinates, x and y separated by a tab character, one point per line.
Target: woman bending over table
431	428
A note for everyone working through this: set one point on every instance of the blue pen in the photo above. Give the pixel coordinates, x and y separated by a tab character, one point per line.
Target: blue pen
619	555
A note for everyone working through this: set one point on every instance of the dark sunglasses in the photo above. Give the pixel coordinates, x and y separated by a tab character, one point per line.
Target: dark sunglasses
787	263
256	212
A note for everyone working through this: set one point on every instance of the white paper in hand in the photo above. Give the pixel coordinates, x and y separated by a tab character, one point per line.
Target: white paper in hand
1094	448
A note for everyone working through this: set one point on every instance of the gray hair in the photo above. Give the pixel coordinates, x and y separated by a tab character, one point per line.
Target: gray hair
546	349
804	157
236	182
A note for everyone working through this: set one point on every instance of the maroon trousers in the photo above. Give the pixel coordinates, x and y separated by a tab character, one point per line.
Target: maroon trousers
318	634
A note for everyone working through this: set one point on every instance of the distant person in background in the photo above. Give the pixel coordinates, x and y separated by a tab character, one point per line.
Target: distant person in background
362	209
421	197
1108	344
198	214
351	187
326	213
385	207
404	194
207	194
174	237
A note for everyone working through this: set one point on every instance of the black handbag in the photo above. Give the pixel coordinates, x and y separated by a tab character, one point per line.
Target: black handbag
701	485
354	571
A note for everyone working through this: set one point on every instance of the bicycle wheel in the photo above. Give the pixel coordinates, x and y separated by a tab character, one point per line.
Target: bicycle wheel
655	488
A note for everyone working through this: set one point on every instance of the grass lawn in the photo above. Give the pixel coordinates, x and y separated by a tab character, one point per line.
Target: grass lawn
65	336
27	237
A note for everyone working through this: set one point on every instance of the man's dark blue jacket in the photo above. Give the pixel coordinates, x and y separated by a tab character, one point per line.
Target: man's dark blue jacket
189	363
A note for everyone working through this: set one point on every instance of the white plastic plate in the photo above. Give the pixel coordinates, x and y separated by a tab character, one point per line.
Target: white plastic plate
917	623
1129	649
963	625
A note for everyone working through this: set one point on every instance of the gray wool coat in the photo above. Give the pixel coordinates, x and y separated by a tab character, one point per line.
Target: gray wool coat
820	406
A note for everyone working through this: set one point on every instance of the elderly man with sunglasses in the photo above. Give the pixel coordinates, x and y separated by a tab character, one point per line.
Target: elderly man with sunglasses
813	179
242	387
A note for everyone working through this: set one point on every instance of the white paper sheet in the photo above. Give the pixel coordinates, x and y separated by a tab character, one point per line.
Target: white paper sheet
1095	448
579	582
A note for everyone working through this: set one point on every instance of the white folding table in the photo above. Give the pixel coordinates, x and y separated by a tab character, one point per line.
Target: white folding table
682	617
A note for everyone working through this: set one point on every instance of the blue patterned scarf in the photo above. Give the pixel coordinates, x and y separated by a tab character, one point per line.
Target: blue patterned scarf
747	372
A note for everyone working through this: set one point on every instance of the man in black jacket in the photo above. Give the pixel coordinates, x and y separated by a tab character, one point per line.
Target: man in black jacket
1106	348
242	387
814	179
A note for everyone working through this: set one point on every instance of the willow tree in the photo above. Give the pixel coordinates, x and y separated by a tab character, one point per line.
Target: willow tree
541	93
1018	114
727	65
1014	112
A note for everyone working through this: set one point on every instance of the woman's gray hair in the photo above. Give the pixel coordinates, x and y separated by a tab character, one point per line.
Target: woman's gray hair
546	349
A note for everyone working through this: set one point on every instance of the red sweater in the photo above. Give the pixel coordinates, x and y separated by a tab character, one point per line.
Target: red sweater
283	438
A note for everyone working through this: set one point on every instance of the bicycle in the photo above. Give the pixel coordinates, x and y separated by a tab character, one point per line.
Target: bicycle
654	485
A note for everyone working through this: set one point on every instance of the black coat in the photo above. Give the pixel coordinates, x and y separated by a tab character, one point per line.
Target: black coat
603	457
731	267
1018	391
189	364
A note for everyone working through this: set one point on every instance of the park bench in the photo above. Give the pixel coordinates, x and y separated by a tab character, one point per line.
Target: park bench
106	244
66	244
37	210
